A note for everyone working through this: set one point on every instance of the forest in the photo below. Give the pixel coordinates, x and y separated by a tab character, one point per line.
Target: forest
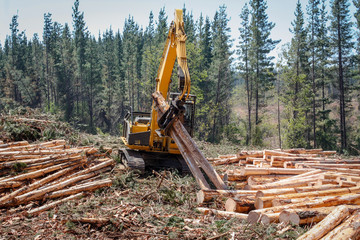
309	97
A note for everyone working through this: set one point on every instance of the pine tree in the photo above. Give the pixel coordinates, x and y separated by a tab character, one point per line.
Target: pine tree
92	79
313	28
341	39
260	61
120	74
151	60
47	41
189	25
34	70
130	50
298	93
326	137
220	75
109	80
206	44
65	63
161	27
243	51
80	45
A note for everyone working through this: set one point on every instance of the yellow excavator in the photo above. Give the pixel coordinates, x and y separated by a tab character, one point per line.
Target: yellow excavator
147	145
163	138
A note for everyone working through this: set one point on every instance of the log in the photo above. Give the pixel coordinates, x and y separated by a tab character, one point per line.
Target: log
239	205
269	201
327	224
226	161
10	184
286	184
269	171
187	146
80	188
104	163
263	179
38	210
309	215
343	183
225	214
41	172
36	184
349	229
37	194
208	195
302	175
42	165
265	218
29	147
281	191
12	162
227	156
343	170
14	144
328	165
349	199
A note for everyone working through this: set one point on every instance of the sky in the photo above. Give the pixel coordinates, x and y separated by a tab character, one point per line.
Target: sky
102	14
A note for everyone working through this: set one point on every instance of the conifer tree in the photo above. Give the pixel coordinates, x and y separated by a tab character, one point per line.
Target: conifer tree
313	29
64	60
80	45
93	79
260	61
326	137
109	80
298	95
161	27
243	51
341	40
47	40
220	74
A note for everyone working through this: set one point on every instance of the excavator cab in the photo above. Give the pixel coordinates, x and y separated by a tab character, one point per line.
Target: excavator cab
136	136
189	114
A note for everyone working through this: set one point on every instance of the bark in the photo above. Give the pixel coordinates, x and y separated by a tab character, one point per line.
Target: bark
239	205
349	229
41	172
38	210
36	184
309	215
265	202
327	224
80	188
225	214
275	192
208	195
352	199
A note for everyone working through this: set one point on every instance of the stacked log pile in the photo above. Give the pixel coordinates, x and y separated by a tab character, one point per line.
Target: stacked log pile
295	186
34	173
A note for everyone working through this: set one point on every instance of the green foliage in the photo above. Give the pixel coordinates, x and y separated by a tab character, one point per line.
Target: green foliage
296	134
127	180
175	221
19	166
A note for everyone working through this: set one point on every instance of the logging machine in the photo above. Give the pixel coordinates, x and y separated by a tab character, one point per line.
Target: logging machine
145	134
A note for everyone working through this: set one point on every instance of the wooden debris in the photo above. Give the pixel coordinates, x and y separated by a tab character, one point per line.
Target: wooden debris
225	214
327	224
52	171
53	204
349	229
297	186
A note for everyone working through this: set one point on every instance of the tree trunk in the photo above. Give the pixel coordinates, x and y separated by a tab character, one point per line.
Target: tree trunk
327	224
